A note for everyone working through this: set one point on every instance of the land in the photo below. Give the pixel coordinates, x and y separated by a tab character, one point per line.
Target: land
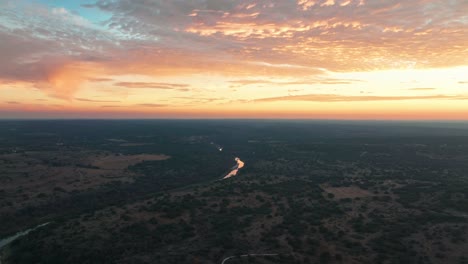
310	191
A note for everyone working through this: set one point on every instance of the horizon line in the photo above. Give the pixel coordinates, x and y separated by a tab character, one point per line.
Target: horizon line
229	119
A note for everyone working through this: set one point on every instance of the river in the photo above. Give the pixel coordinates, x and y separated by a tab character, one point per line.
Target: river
8	240
240	164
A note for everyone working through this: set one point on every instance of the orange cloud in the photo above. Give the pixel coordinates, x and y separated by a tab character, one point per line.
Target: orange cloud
63	79
152	85
95	101
344	98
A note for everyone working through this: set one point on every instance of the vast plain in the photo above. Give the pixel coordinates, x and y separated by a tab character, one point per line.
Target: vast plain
153	191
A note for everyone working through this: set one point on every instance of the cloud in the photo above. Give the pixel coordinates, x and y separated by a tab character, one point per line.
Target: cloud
151	105
344	98
61	78
422	89
340	37
344	38
250	82
42	48
200	100
95	101
335	82
154	85
101	79
69	17
317	80
111	106
58	51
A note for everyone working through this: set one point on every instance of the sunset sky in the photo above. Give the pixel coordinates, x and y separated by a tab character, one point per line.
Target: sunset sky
338	59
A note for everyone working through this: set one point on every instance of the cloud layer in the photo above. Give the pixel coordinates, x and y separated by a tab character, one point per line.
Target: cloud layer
343	98
251	42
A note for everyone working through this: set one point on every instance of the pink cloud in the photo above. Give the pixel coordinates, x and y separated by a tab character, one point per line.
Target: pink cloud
57	51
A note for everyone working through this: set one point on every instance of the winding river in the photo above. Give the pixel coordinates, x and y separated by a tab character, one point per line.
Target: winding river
235	169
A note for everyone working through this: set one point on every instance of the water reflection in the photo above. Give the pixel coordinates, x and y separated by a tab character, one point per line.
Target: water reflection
235	169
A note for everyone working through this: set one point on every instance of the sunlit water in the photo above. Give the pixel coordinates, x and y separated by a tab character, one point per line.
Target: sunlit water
236	168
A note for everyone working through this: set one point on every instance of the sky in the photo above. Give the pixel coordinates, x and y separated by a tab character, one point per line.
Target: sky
317	59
